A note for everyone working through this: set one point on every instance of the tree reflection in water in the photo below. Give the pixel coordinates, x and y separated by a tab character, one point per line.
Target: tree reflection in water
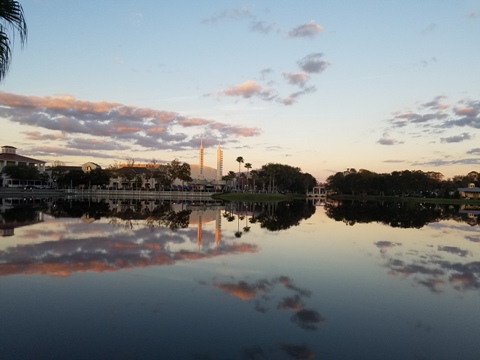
395	214
124	212
271	216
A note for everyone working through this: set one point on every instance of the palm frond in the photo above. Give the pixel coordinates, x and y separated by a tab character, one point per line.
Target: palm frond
12	21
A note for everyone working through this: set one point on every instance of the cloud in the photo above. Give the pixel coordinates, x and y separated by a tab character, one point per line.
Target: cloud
308	319
384	246
262	26
412	117
436	103
95	144
427	62
387	140
435	118
309	29
248	89
72	252
392	161
145	127
291	303
471	111
429	29
475	239
38	136
454	250
264	73
443	162
242	289
473	122
475	151
292	98
472	14
312	63
464	113
299	79
289	284
232	13
457	138
432	271
54	151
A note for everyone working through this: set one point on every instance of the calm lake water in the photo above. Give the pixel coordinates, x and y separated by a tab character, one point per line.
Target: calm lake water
136	280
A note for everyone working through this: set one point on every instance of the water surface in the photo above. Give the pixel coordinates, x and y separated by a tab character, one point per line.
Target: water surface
123	280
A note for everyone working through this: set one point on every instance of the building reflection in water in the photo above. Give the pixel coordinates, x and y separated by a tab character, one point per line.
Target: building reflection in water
127	238
17	212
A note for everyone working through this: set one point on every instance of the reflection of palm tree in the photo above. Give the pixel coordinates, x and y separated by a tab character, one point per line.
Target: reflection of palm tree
246	228
11	15
238	233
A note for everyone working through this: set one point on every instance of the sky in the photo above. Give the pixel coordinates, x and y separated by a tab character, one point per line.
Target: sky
380	85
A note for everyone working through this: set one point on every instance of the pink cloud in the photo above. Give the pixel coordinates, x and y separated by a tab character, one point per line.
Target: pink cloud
145	127
309	29
246	89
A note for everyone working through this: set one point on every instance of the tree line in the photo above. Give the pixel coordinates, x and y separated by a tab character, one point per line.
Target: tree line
403	183
271	178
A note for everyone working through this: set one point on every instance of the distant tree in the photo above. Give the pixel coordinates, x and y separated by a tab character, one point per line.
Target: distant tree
130	161
127	174
406	182
138	181
242	177
151	166
113	166
98	177
229	177
162	175
248	166
113	172
21	172
180	171
56	163
280	177
240	161
11	19
73	178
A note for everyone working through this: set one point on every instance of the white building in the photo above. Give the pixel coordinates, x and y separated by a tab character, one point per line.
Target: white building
9	156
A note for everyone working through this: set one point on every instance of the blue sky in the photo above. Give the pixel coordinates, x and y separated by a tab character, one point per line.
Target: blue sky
322	85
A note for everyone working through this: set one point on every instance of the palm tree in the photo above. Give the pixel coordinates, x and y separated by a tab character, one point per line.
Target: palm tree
248	166
239	160
11	19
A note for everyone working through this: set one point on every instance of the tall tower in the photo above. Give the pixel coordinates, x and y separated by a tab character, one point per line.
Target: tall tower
200	174
219	163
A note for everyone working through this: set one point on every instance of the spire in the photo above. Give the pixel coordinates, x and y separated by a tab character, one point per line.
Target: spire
219	162
200	175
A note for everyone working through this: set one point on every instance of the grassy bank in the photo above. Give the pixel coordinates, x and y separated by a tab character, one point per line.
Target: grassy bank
406	199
